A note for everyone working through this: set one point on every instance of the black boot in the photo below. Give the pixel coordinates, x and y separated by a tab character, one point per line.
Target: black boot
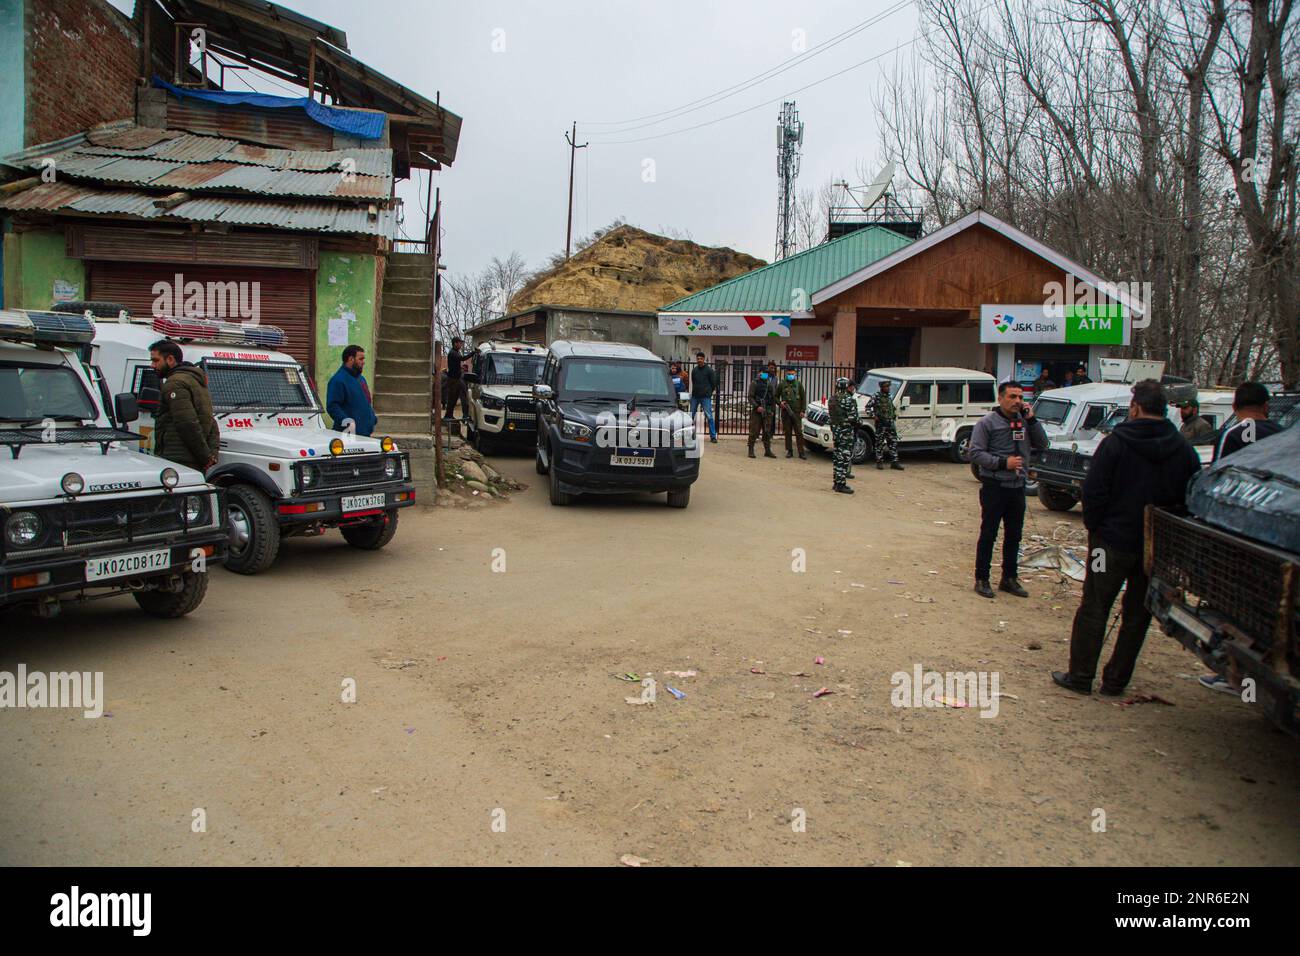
982	588
842	489
767	452
804	457
751	451
896	466
1063	679
1012	586
789	454
880	466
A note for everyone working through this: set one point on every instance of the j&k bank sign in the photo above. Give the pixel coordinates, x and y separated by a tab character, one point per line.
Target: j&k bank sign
1106	324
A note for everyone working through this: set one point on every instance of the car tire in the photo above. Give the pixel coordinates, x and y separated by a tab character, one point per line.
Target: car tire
483	444
957	450
169	604
680	498
1054	499
557	496
254	532
864	446
372	535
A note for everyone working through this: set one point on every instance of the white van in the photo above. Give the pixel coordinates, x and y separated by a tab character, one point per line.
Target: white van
937	408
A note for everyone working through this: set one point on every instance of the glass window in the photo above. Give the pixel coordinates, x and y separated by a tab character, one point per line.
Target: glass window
508	369
234	385
31	393
870	385
144	377
981	392
1093	415
1053	411
917	392
950	393
590	378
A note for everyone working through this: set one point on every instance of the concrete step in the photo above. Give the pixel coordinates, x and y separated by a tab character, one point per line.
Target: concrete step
408	272
405	350
410	258
389	364
400	285
404	311
398	403
396	332
393	385
395	423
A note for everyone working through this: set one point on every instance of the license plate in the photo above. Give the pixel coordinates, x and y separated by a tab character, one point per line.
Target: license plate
810	432
122	565
362	502
633	457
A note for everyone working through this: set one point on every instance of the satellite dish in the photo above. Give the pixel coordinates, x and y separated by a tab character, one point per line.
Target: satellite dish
878	186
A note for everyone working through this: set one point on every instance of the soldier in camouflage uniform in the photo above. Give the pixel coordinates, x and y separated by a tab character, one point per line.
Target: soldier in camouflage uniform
762	412
844	423
886	416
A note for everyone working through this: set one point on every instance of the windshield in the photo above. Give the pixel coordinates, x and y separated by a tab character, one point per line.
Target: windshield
1052	411
505	369
608	378
1110	421
870	385
37	392
234	384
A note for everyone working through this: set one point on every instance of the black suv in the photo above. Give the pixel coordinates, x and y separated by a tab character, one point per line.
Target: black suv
608	423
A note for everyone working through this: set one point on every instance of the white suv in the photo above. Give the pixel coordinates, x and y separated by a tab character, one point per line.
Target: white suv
285	472
501	405
937	408
83	513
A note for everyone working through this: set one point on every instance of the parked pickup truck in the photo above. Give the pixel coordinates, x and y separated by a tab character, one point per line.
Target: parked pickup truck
1225	581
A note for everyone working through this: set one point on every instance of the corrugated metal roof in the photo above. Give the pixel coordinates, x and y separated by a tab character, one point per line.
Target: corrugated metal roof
186	160
285	214
772	288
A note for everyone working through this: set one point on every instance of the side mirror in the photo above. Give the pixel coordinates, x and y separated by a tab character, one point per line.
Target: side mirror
125	409
469	378
543	393
149	399
904	402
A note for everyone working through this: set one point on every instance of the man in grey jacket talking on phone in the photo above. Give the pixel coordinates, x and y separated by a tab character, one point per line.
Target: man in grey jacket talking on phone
999	447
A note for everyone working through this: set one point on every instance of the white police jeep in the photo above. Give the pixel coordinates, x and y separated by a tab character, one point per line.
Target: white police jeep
501	404
284	470
85	515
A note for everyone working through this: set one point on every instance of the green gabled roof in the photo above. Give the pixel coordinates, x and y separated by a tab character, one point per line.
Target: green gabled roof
771	288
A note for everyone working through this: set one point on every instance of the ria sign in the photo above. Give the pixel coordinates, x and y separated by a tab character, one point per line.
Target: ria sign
1073	325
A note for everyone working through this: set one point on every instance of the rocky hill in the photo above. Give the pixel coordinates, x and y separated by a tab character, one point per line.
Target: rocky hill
629	268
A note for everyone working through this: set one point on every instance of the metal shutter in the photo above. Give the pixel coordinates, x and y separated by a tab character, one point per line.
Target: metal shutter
286	296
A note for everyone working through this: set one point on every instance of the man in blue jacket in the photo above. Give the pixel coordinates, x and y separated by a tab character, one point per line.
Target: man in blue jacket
348	397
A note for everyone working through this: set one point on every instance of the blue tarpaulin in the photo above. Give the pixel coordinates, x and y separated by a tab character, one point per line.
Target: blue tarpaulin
358	123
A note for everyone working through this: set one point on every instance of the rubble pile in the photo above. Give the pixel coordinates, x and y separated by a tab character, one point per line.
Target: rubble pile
471	481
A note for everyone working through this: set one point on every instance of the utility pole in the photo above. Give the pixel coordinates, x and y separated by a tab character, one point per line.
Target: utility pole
574	146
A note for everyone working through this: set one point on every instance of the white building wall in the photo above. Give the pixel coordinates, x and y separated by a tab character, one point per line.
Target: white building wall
957	347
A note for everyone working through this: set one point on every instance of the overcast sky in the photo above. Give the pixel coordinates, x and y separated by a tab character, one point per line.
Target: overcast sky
520	73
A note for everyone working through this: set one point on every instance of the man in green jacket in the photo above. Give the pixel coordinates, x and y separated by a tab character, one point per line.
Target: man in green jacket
792	399
184	429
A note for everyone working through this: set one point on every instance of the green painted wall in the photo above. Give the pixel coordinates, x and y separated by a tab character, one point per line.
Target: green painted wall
33	262
345	290
13	93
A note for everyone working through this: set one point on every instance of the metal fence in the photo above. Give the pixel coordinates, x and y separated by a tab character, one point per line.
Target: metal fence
731	402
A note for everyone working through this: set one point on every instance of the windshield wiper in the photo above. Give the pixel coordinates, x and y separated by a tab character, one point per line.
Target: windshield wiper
31	422
295	406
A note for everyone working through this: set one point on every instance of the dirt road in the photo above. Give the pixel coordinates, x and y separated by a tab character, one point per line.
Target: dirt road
489	726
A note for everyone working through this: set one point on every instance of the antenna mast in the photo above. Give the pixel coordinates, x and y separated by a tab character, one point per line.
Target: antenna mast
789	141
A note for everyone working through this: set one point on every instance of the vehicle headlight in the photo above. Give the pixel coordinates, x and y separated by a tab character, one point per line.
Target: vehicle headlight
72	483
386	444
575	430
390	467
491	401
193	508
310	475
23	529
336	446
169	477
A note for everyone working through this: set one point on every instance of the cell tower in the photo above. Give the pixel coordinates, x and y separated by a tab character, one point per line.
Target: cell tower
789	141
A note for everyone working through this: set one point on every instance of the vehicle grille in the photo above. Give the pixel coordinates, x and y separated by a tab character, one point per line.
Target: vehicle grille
86	524
1243	581
521	411
1062	459
351	471
817	416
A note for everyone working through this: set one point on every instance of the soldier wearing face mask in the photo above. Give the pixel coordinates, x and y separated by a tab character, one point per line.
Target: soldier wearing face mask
792	400
762	410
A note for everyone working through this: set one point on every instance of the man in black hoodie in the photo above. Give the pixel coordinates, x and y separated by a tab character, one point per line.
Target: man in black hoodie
1144	461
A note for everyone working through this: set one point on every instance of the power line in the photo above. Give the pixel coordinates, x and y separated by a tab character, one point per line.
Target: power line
783	96
720	95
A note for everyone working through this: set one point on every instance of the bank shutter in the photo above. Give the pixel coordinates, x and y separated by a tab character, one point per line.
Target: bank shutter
285	296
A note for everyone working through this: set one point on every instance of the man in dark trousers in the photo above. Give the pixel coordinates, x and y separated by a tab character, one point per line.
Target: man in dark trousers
1000	444
886	418
793	399
762	412
455	384
704	382
184	428
1250	404
1144	461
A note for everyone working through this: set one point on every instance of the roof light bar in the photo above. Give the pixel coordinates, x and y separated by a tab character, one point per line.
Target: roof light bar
215	330
46	328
